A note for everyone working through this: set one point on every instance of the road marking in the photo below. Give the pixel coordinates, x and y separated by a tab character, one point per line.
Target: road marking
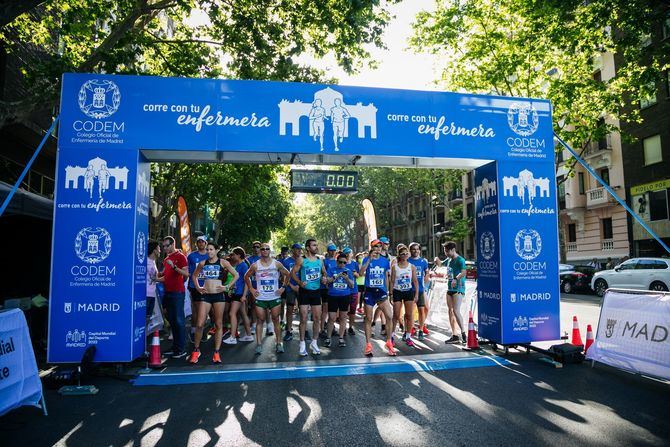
317	369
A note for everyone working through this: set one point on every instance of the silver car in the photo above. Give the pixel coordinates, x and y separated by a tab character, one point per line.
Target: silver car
636	273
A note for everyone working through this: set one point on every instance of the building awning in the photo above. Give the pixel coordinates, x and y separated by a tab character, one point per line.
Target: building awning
26	203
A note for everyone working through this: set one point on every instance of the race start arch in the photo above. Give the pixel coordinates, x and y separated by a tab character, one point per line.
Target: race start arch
111	127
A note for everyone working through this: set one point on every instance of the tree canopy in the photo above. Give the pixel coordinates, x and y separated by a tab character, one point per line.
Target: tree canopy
549	49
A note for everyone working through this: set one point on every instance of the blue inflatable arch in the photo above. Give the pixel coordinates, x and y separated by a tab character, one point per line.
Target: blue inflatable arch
111	127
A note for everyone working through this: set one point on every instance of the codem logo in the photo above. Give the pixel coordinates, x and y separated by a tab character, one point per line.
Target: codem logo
99	99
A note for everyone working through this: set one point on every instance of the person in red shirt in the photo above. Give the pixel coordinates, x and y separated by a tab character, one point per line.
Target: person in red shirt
175	272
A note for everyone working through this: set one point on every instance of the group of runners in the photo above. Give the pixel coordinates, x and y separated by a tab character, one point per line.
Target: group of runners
259	290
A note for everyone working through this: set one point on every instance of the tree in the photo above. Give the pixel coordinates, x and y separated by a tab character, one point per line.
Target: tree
547	48
259	39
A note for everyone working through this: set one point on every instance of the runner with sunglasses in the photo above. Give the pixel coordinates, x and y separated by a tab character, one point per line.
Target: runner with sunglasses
271	279
237	297
376	270
329	261
340	281
309	273
352	265
214	272
405	291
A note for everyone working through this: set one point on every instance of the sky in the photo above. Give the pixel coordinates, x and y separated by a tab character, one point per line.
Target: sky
393	63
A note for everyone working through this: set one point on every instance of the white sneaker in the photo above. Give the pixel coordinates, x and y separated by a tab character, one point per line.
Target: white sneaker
230	341
247	338
303	349
315	348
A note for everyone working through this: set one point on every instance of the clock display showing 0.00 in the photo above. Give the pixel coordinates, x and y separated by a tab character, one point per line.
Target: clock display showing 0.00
317	181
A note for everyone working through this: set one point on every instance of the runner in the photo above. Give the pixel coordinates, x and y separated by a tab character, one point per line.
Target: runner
422	277
194	259
340	282
455	290
290	296
213	271
405	290
386	242
376	270
256	247
329	262
360	283
267	293
312	273
353	266
237	297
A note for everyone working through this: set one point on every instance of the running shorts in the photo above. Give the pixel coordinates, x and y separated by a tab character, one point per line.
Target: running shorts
233	297
324	296
213	298
269	304
309	297
361	288
403	295
195	295
338	303
421	302
290	296
374	296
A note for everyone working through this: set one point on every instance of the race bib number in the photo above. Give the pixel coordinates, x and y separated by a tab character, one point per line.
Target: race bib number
404	284
376	282
340	286
312	274
267	286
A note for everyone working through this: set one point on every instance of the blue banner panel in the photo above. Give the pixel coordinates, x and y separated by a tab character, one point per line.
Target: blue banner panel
140	258
143	112
488	252
529	239
92	268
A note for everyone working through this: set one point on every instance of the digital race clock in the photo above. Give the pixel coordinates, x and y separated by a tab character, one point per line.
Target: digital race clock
332	182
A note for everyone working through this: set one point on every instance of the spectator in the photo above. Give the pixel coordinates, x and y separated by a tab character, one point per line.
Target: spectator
610	264
175	272
595	264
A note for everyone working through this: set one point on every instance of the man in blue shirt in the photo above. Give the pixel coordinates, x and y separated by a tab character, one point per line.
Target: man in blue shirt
340	282
329	262
376	269
422	268
352	265
290	295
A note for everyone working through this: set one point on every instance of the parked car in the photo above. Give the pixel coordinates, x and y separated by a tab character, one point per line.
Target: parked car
565	268
471	270
576	278
636	273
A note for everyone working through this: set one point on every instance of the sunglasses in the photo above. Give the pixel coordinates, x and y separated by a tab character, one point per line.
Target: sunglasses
341	262
265	249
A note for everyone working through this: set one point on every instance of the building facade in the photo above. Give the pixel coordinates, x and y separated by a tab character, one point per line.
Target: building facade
591	223
647	160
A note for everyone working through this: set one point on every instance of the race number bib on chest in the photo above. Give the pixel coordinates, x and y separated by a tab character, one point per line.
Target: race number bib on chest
404	283
340	285
267	285
377	281
312	274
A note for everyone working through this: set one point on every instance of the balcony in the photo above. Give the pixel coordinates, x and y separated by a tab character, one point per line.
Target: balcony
607	244
571	247
469	192
598	197
456	196
599	153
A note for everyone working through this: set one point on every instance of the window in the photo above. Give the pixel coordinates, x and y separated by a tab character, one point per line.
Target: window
607	228
572	233
658	205
605	175
652	150
598	76
648	95
628	265
666	27
580	177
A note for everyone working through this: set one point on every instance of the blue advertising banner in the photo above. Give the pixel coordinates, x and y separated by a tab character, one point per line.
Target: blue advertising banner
143	112
140	259
529	238
488	252
92	259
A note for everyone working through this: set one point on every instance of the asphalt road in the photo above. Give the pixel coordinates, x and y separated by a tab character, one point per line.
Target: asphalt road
522	402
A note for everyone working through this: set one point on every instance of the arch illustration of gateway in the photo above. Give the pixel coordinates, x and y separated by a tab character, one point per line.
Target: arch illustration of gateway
112	127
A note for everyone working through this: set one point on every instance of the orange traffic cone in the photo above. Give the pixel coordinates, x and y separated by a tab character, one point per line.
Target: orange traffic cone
472	335
155	360
576	335
589	338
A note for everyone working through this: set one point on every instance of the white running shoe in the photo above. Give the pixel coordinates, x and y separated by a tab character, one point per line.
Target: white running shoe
303	349
247	338
315	348
230	341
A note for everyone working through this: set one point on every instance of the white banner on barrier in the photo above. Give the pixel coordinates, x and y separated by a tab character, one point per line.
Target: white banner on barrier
438	314
634	332
19	379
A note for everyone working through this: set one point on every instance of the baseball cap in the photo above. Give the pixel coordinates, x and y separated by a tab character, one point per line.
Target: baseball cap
331	247
201	238
346	250
375	242
296	245
384	240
